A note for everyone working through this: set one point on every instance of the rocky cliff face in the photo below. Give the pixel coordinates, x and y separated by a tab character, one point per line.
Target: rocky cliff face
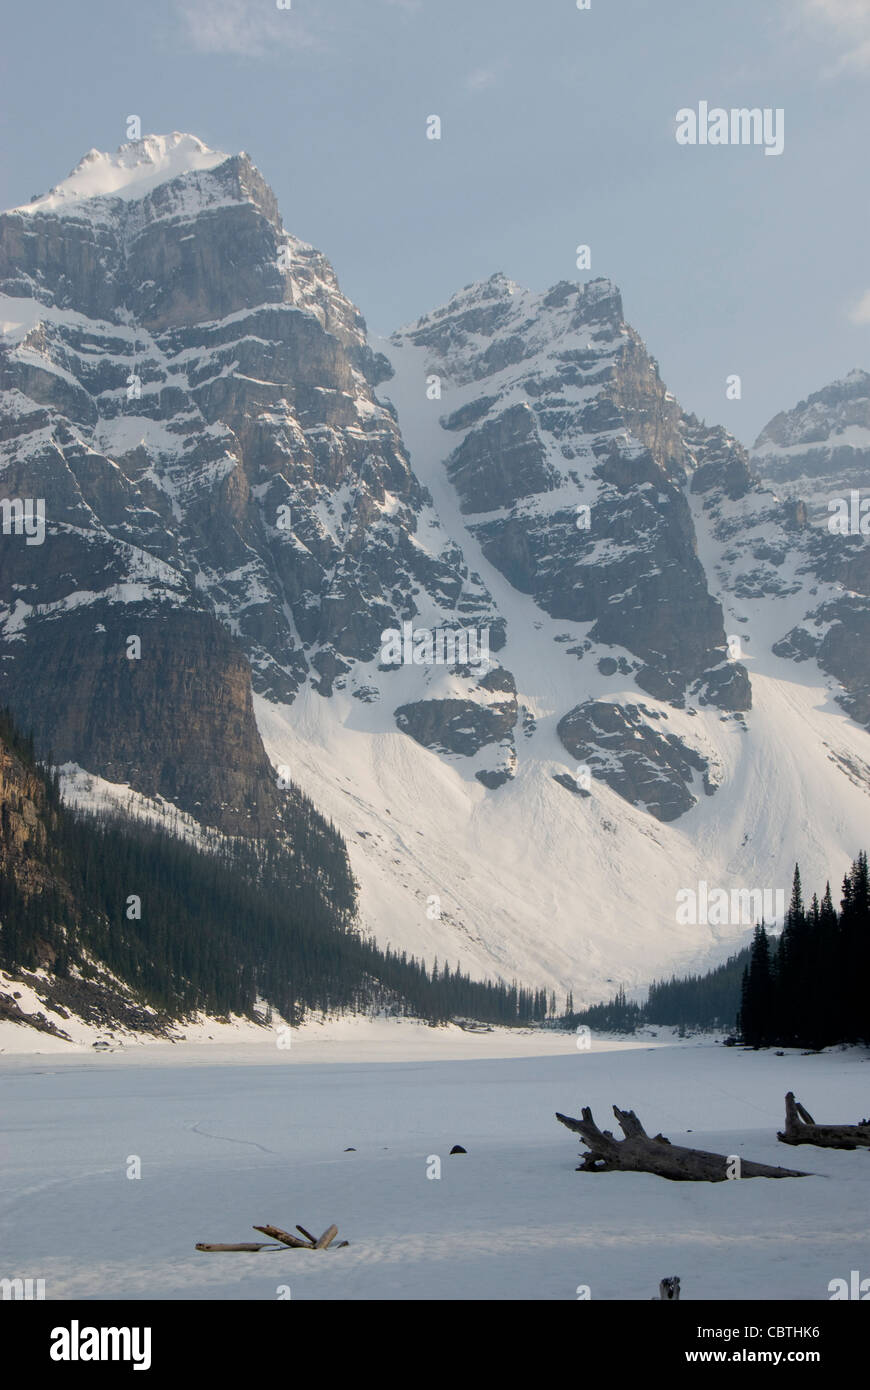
185	385
571	468
816	458
820	449
648	766
574	468
23	819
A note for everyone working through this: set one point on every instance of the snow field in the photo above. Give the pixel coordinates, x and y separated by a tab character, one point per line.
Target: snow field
232	1137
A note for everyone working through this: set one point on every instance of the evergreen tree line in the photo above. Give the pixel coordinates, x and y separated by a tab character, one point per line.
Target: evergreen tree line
809	987
690	1001
191	929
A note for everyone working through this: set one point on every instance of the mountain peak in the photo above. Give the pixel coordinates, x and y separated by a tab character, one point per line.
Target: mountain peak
840	404
499	305
498	288
131	172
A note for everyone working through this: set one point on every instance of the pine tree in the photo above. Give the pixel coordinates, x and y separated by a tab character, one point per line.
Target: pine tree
756	1007
792	986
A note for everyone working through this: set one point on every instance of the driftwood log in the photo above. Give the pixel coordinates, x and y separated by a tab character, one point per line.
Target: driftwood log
240	1245
801	1128
638	1153
275	1233
284	1239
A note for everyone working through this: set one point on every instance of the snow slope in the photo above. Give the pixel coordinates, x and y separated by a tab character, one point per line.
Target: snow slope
537	883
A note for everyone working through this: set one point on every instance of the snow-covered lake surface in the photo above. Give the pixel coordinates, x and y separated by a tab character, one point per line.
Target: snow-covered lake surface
235	1134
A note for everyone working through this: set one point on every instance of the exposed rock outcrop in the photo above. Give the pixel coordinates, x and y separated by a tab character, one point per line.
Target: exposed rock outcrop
647	766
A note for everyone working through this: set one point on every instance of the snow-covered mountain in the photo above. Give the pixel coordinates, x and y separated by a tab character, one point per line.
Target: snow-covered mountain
185	385
820	450
675	688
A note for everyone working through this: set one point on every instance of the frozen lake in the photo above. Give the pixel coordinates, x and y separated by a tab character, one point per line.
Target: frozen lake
229	1137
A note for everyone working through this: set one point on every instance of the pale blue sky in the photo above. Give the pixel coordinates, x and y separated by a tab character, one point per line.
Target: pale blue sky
558	128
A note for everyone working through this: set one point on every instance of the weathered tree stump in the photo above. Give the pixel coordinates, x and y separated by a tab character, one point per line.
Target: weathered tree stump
801	1128
669	1289
638	1153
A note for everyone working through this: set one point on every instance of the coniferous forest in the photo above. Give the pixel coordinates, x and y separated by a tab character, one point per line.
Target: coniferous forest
811	986
691	1001
218	930
807	987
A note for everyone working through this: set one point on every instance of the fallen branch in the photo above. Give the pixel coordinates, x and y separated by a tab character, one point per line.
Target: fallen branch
284	1239
242	1245
275	1233
801	1128
638	1153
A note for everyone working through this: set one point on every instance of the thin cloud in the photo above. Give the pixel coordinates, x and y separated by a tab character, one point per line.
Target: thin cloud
846	24
248	28
480	79
260	29
860	313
